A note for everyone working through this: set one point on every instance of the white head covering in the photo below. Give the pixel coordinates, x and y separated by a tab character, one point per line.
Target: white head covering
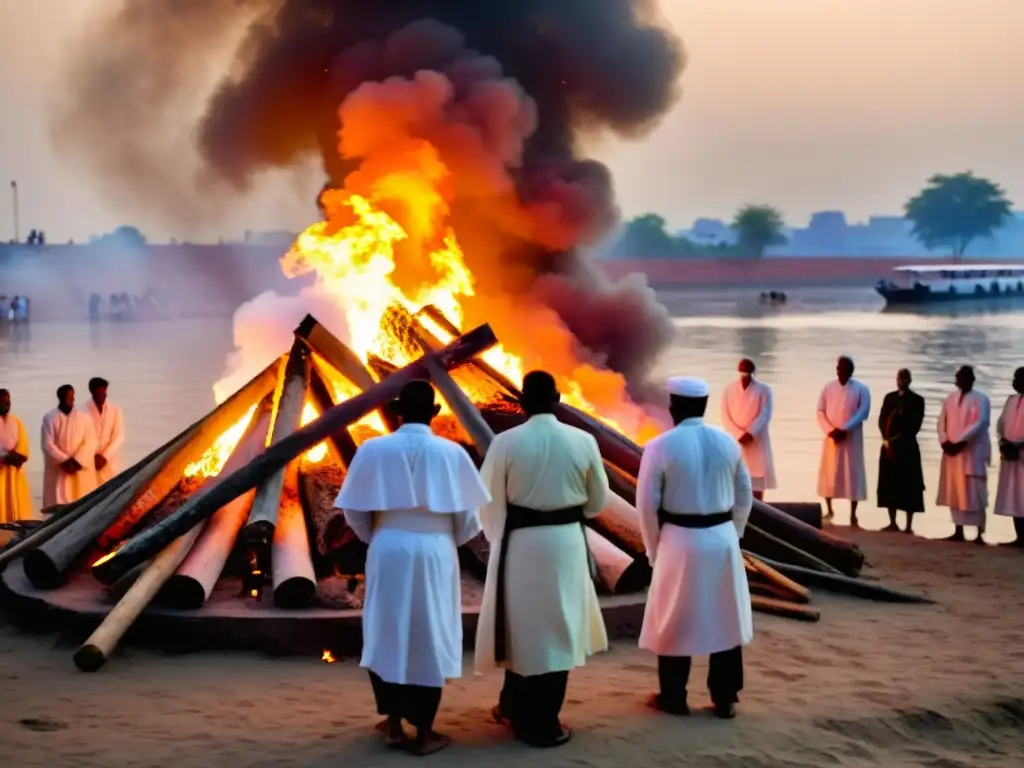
687	386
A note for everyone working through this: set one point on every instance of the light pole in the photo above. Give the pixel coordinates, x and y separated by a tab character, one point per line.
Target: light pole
14	194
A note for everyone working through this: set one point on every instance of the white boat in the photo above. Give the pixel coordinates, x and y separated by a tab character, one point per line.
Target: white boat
953	282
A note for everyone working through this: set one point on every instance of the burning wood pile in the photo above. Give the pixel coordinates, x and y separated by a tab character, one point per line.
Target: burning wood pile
248	491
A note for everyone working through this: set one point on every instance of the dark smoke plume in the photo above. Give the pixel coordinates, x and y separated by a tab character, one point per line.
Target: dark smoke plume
586	66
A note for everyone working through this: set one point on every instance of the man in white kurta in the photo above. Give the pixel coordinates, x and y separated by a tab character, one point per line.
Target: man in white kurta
540	616
746	415
69	451
843	407
966	454
1010	430
694	499
15	498
108	423
414	498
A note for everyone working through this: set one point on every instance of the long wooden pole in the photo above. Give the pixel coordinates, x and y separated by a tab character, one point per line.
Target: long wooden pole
844	585
194	580
46	566
343	446
153	540
101	644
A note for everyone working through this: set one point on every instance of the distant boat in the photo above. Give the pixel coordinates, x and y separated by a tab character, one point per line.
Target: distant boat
928	284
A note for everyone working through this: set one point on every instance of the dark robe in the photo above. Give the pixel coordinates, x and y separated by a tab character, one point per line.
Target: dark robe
900	476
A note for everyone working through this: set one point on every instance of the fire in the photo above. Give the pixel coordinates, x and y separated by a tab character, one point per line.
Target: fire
354	256
317	453
212	462
328	657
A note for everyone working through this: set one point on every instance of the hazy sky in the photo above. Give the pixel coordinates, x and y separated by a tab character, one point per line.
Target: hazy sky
804	104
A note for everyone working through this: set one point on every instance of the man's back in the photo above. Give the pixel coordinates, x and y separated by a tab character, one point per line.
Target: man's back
549	465
698	465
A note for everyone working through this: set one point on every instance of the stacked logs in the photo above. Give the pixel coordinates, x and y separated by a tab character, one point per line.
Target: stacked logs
268	516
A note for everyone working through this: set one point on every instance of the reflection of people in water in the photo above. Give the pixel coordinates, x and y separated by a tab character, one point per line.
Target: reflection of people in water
94	307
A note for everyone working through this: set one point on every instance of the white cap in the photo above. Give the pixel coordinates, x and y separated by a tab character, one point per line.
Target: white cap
687	386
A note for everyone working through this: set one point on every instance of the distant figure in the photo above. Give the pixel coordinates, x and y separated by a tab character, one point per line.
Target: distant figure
69	448
540	617
15	498
966	454
1010	429
108	423
693	498
843	407
94	307
746	415
21	309
414	498
900	475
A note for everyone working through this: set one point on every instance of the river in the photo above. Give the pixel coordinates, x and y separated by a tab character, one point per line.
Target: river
161	373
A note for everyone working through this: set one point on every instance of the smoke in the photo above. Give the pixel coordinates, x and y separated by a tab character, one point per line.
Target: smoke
501	90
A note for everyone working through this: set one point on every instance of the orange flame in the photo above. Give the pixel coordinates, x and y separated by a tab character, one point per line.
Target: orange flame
212	462
328	657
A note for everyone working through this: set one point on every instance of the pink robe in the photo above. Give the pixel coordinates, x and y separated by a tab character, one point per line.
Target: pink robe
1010	426
749	411
963	479
66	436
842	474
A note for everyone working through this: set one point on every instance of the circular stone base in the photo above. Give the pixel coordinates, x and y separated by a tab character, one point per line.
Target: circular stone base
229	621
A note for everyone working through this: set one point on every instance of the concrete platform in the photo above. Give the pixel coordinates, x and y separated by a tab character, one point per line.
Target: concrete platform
230	621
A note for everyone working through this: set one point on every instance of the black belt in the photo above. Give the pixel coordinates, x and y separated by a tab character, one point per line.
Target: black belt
693	521
517	518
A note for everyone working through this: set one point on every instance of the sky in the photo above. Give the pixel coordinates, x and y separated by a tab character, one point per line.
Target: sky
806	105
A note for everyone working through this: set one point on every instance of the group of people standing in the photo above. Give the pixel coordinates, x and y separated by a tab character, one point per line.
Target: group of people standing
81	450
843	408
415	497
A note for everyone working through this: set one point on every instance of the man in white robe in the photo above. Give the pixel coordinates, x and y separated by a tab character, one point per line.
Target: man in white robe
413	497
746	415
15	498
966	454
1010	430
108	423
843	407
540	616
694	499
69	451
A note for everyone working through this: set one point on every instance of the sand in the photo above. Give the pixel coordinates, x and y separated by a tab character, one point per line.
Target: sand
870	685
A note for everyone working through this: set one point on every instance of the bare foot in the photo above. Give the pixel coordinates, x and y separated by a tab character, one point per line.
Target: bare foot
891	527
427	744
394	733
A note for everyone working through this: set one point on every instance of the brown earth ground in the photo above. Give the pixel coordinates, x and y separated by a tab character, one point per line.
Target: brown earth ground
870	685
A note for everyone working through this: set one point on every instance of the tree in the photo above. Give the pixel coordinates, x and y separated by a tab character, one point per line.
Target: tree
758	227
953	211
646	237
122	237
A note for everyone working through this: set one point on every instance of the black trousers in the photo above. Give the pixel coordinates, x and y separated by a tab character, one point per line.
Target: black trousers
533	704
725	678
1018	528
416	704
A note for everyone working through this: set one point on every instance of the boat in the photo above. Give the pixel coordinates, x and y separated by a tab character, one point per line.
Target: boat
927	284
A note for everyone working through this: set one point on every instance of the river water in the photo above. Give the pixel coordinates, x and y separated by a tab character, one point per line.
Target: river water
161	373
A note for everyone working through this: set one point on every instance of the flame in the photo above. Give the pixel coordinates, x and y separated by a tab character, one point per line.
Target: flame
317	453
328	657
212	462
354	254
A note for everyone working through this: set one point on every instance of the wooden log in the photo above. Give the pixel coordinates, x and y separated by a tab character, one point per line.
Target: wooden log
844	585
294	579
343	447
844	556
619	522
336	354
142	547
783	608
114	517
192	583
764	545
787	588
617	572
101	644
335	546
805	511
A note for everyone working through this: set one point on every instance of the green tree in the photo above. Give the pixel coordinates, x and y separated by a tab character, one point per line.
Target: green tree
953	211
647	237
758	227
122	237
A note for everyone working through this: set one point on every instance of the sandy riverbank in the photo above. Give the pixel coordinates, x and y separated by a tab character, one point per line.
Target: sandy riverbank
871	684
